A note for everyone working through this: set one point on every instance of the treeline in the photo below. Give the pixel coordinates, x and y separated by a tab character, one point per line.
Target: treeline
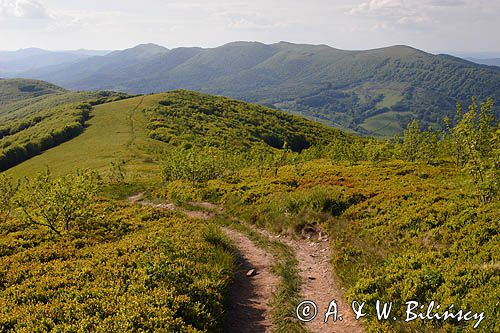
186	118
26	146
19	126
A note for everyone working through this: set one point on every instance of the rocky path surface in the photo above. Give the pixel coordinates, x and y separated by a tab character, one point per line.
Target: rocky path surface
254	283
253	288
319	286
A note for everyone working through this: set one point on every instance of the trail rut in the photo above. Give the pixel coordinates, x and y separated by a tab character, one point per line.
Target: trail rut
248	309
319	286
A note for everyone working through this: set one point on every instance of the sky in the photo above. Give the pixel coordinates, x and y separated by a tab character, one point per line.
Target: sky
431	25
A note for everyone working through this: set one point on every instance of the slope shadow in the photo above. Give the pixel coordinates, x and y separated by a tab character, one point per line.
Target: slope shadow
244	313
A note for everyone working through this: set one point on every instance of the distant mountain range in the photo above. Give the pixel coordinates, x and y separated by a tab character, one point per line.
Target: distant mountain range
13	63
487	61
373	92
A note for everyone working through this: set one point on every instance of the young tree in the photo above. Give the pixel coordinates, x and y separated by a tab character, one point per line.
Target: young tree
456	141
281	158
58	203
196	164
427	147
261	158
411	141
477	131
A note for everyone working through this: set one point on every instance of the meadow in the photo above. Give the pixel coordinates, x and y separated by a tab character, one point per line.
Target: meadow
399	231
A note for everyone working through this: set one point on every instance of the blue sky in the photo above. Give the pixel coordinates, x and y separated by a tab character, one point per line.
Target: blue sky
432	25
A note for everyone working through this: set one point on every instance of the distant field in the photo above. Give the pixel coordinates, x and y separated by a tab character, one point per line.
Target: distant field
385	124
392	93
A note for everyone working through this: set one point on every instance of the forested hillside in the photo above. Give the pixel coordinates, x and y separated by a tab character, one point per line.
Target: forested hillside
13	90
375	92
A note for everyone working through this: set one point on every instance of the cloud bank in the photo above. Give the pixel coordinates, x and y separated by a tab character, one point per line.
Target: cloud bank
22	9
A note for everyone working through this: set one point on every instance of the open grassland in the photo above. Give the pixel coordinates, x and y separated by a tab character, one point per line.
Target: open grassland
115	132
420	229
36	116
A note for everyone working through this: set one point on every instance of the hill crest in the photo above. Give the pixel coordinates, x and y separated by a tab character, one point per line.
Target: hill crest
374	92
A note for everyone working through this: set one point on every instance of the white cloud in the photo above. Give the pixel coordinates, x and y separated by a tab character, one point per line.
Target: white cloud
376	6
250	21
351	24
413	14
23	9
447	3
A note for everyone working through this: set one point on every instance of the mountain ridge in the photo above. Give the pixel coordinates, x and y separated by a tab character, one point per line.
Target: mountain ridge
375	92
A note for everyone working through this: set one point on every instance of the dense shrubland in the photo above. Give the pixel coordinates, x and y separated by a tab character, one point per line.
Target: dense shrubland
413	218
74	261
471	142
400	231
184	118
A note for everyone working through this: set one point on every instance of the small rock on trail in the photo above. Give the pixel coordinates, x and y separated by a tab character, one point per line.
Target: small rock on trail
249	311
251	273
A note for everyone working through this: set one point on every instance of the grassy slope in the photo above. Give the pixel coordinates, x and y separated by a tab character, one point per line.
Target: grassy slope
116	131
31	106
13	90
119	131
36	116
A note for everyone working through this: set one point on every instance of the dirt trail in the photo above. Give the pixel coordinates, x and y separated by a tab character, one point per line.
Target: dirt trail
318	283
249	296
197	214
130	117
248	310
319	286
